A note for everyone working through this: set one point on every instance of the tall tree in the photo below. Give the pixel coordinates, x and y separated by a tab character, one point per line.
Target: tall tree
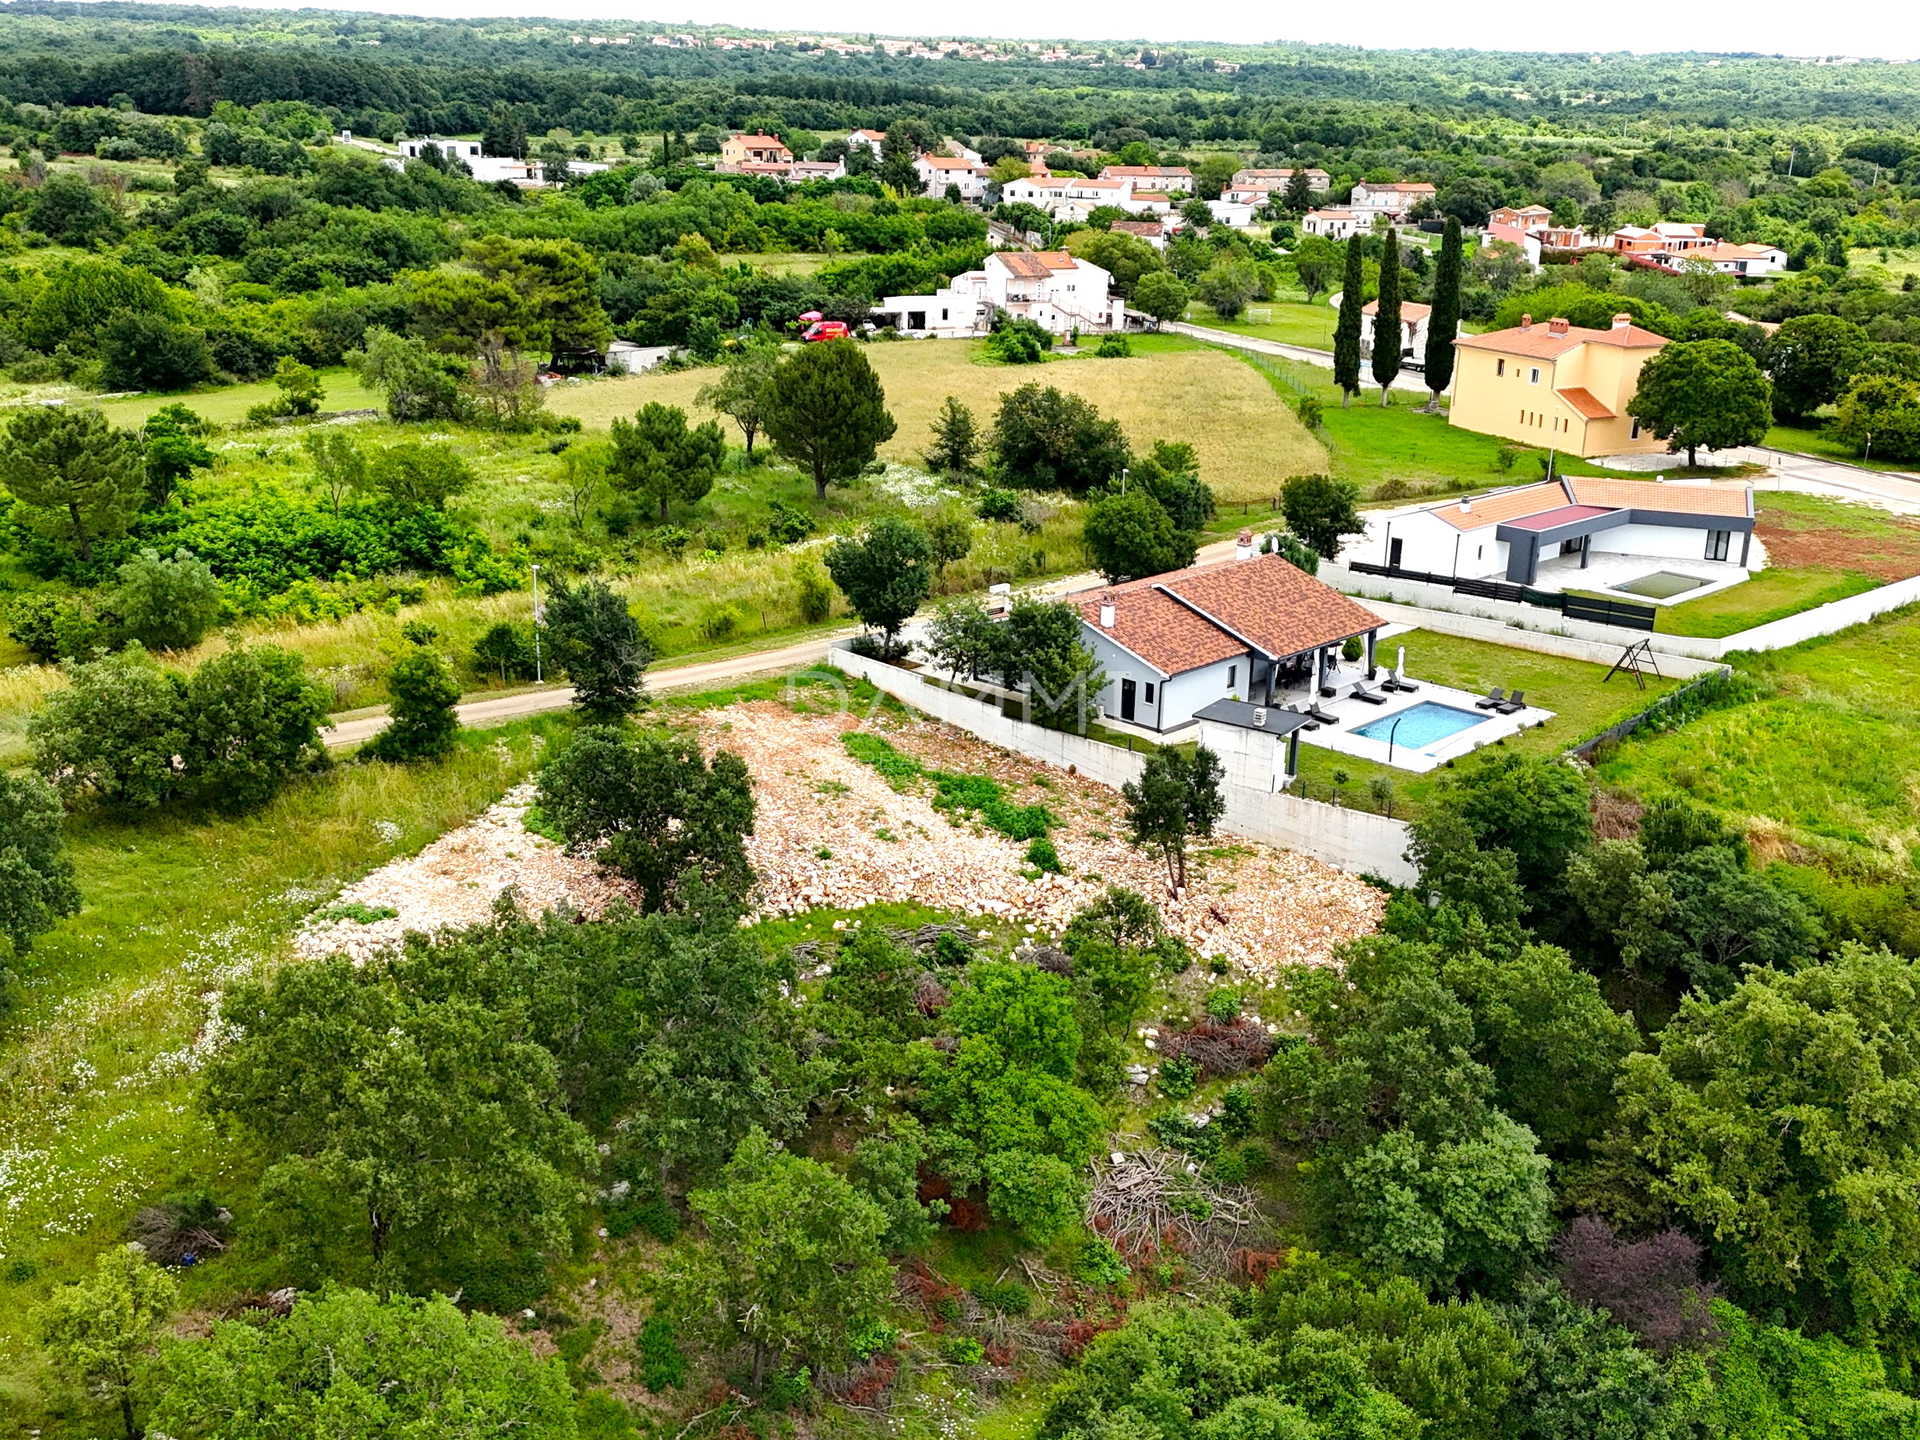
1174	800
1132	535
79	480
653	809
828	412
1299	192
1708	393
791	1266
1320	511
600	645
659	458
741	392
100	1332
885	574
1346	332
423	721
1445	319
36	877
956	439
1386	319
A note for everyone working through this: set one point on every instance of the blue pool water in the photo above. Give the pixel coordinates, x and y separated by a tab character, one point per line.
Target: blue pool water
1421	725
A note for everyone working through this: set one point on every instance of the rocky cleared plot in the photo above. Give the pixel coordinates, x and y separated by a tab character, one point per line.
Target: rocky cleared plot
832	833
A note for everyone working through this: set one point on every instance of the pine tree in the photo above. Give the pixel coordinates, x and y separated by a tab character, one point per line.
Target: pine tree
1445	318
1346	334
1386	321
1299	192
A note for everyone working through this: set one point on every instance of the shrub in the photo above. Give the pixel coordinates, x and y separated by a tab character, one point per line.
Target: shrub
168	604
1309	410
1042	855
1178	1077
1114	347
1000	505
505	651
423	723
662	1366
1224	1005
815	593
1353	649
789	524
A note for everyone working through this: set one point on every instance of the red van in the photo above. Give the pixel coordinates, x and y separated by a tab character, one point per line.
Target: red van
825	330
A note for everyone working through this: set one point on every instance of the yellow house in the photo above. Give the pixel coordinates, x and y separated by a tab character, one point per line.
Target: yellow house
755	149
1555	384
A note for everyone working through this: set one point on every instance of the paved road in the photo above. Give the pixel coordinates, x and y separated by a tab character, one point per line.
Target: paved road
701	675
1412	384
698	675
1894	490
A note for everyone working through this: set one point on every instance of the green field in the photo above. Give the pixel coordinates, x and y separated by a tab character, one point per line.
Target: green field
1584	702
1831	754
1814	440
1288	322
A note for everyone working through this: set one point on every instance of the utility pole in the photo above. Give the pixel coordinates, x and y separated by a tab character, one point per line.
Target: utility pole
538	676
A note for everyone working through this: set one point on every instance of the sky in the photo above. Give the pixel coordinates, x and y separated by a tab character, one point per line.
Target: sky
1884	28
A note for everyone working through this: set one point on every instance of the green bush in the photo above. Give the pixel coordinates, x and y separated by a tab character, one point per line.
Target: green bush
1002	506
1042	855
423	723
662	1366
1009	1297
1223	1005
815	593
168	604
359	913
1178	1077
1096	1262
1114	347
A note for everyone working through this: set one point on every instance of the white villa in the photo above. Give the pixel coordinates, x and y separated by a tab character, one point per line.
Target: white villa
1547	532
1050	287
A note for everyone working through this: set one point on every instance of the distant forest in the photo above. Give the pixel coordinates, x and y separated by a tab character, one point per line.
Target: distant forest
387	74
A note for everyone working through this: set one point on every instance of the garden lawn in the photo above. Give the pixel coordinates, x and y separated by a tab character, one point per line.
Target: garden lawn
1832	754
1245	440
1814	440
1583	700
1399	447
1287	322
100	1058
1770	595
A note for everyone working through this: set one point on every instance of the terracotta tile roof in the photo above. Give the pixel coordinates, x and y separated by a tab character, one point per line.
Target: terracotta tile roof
1585	403
1278	608
1139	227
947	162
1735	500
1158	628
1538	342
1503	506
1187	619
1035	264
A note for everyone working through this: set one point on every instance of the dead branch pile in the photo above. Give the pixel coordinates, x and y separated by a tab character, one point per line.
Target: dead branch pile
926	938
1221	1048
1146	1202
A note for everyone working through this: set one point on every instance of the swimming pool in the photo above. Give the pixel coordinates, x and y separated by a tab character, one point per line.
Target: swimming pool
1661	585
1420	725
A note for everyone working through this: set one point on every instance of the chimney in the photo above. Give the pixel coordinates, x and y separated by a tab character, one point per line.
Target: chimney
1526	322
1621	322
1466	507
1243	545
1106	617
1556	327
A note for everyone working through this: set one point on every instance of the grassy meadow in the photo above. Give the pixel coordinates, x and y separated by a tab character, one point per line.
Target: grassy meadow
1204	396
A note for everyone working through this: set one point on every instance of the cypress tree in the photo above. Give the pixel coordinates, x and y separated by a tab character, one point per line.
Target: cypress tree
1346	333
1386	321
1446	316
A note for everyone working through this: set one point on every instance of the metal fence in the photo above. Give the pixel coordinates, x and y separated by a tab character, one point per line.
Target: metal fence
1620	613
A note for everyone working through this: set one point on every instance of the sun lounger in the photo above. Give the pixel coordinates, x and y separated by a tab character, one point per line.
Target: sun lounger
1494	698
1398	684
1513	704
1323	717
1361	693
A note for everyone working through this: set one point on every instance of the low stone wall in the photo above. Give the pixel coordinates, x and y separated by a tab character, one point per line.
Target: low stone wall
1353	840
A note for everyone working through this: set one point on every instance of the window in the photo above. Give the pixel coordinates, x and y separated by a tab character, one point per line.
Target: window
943	314
1499	367
1233	677
1533	375
1719	542
1636	430
1149	692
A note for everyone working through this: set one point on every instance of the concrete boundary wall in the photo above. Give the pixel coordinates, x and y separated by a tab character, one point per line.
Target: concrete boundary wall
1535	631
1353	840
1497	632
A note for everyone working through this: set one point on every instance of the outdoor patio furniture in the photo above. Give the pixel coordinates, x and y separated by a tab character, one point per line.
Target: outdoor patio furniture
1398	684
1495	698
1361	693
1513	704
1323	717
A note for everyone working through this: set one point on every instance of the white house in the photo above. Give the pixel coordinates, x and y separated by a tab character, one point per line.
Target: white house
1151	231
1050	287
1041	189
1413	328
1509	534
1393	199
937	172
1148	202
487	169
1242	629
1334	224
1744	261
1234	215
961	150
1167	178
871	139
